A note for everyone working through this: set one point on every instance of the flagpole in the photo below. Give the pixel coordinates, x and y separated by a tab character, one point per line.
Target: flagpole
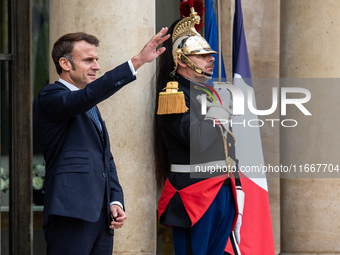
219	40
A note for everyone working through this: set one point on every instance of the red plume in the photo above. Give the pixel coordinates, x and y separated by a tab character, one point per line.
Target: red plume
198	5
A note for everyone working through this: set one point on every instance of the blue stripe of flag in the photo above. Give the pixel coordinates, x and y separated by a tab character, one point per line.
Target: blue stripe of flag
211	35
240	52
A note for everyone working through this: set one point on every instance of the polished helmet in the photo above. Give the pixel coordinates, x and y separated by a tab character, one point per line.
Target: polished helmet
187	41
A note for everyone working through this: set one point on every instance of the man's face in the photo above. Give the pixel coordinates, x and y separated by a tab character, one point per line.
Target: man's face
85	64
203	61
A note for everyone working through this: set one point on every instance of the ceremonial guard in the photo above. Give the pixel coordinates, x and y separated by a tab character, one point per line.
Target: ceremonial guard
195	153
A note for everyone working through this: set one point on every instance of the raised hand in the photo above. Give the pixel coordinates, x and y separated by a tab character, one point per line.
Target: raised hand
150	52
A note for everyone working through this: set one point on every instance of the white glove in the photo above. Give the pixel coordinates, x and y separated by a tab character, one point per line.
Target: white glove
240	204
217	112
238	228
226	98
240	200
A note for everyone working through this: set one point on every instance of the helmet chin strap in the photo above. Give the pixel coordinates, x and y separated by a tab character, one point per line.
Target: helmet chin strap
192	65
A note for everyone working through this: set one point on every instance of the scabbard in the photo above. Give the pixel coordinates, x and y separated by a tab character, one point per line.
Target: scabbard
234	244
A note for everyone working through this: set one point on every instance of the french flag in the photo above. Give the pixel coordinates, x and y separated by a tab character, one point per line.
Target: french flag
256	230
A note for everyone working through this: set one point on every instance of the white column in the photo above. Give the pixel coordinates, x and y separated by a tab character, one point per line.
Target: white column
310	221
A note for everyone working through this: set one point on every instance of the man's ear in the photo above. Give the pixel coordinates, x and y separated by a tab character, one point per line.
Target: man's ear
181	63
65	64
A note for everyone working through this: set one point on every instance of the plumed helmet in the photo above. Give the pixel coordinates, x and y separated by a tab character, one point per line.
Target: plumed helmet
187	41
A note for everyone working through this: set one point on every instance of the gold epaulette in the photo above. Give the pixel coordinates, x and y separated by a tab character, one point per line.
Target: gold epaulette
171	101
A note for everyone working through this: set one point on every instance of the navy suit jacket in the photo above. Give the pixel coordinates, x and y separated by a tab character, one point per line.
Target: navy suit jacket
80	171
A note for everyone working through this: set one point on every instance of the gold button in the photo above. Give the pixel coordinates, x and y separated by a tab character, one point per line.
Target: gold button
229	144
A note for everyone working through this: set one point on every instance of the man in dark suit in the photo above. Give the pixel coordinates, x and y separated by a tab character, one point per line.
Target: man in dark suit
84	200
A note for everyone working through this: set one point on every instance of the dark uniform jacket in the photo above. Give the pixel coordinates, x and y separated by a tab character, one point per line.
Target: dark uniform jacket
190	139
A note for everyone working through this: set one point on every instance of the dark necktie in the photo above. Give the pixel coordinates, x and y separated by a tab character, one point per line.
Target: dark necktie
96	118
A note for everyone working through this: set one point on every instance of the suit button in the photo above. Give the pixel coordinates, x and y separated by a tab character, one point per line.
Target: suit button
104	175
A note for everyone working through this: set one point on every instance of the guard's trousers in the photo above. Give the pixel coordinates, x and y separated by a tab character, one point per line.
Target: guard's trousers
209	236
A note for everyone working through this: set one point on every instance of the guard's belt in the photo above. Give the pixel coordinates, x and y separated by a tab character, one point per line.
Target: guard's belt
196	168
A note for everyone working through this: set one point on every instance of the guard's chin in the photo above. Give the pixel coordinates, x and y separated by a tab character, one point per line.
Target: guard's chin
209	72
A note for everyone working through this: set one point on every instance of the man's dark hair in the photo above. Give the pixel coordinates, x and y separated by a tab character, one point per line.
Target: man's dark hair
64	45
